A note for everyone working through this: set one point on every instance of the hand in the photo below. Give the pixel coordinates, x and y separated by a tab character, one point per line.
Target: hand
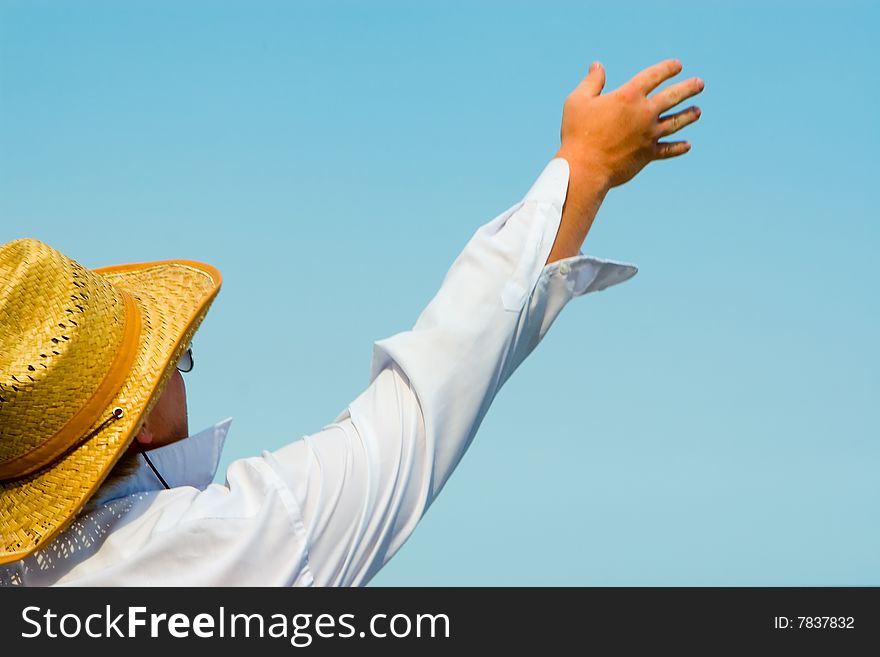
613	137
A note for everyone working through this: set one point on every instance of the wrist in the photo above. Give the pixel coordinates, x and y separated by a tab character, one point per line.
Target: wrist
585	174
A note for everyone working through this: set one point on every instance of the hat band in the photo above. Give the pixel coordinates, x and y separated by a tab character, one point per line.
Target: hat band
76	429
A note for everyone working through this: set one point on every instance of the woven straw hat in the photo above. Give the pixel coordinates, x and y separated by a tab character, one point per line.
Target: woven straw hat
84	355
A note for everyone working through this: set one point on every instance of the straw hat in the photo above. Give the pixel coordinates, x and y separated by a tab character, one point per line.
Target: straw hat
84	355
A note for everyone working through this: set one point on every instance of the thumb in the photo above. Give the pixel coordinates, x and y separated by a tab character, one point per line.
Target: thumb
595	80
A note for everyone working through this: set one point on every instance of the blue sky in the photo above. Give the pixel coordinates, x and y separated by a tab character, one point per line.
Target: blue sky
713	421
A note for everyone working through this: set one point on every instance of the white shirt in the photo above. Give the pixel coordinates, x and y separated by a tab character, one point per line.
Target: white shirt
331	508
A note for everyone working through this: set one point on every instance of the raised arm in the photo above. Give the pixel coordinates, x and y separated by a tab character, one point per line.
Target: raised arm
365	480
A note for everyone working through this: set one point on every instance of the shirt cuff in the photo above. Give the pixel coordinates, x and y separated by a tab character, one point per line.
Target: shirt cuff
583	273
543	204
559	283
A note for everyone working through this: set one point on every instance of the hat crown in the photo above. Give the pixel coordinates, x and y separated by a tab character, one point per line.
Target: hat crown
61	327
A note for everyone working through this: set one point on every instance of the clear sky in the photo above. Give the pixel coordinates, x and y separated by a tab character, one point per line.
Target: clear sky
713	421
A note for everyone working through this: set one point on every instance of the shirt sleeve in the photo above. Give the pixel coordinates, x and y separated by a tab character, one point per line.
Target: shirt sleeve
365	480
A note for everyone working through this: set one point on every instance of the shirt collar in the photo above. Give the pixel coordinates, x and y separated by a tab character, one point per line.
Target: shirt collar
192	461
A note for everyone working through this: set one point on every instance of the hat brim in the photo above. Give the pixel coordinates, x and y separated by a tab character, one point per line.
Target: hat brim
173	297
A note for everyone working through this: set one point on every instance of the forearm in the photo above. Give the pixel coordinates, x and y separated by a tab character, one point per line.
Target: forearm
586	192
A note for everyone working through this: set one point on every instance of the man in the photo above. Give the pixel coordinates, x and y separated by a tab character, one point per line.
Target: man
90	374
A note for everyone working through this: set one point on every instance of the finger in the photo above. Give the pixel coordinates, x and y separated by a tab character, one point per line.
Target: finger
667	149
649	79
674	94
675	122
595	80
